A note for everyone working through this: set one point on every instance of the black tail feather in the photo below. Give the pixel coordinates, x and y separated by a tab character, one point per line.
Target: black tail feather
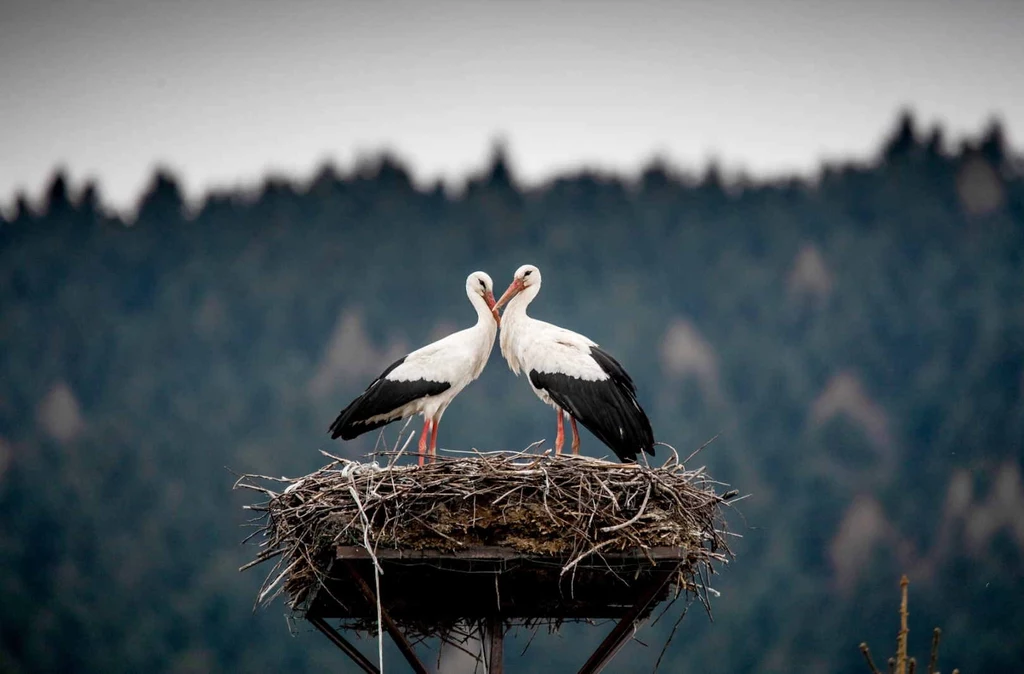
383	398
607	408
349	424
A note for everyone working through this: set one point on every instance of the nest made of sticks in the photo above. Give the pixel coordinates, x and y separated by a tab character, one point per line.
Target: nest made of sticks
569	509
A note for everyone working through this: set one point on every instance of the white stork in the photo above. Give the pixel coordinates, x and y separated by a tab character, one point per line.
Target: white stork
425	381
572	374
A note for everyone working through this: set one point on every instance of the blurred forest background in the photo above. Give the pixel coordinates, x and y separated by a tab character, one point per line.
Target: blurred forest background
857	338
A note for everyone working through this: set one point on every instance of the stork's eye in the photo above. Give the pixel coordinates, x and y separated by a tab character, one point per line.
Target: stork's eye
527	273
482	284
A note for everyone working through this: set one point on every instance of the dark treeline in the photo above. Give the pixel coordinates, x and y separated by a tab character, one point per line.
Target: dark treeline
858	340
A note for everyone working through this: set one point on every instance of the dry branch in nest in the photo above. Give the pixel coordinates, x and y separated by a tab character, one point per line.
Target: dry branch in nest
573	511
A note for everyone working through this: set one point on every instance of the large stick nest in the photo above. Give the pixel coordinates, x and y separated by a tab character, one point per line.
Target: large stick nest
570	509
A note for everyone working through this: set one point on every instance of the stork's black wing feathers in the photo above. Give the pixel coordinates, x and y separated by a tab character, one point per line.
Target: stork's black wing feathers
607	408
382	397
613	369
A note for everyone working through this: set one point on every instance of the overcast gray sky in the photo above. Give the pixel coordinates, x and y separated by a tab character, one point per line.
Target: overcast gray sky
223	92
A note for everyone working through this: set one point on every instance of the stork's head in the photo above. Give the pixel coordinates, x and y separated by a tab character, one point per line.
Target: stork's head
527	276
480	283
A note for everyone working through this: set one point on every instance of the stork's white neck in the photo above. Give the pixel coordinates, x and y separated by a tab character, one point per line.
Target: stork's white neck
513	323
484	317
517	305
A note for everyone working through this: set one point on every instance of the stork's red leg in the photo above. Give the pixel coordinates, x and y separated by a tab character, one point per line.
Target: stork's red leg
575	435
560	434
423	439
433	441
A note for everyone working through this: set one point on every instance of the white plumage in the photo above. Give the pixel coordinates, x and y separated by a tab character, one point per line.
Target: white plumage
428	379
572	374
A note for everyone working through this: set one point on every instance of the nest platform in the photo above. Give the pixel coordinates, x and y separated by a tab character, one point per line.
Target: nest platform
490	540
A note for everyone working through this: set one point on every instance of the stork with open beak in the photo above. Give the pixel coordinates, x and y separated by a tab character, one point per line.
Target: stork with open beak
425	381
572	374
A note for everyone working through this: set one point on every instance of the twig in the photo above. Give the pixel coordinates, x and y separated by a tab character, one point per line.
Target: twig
584	555
901	638
632	520
668	641
701	448
866	652
933	659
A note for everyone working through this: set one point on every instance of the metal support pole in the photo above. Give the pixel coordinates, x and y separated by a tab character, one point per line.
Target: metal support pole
400	640
622	631
344	644
495	645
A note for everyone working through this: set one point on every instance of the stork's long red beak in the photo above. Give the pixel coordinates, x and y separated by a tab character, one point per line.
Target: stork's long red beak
489	299
514	289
